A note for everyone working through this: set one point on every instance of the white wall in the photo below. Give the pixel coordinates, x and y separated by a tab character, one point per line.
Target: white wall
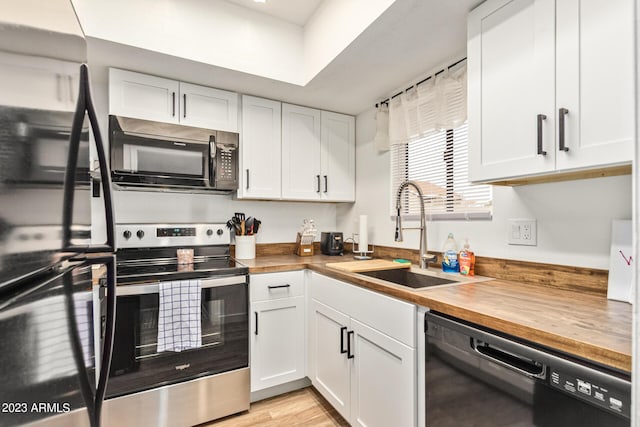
209	31
333	26
574	217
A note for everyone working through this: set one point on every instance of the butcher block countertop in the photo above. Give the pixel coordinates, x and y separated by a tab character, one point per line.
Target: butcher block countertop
588	326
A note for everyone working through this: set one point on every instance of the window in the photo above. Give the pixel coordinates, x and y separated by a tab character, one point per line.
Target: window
438	164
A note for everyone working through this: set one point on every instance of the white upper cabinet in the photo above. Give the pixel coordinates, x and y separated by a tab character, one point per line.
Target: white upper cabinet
550	86
318	155
210	108
301	172
595	82
141	96
260	176
338	138
148	97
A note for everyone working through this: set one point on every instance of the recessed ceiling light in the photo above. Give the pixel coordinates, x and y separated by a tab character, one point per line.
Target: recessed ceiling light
260	1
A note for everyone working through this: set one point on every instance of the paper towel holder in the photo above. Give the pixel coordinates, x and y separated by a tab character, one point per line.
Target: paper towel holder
363	255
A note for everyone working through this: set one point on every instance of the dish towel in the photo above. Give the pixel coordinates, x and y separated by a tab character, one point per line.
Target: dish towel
179	324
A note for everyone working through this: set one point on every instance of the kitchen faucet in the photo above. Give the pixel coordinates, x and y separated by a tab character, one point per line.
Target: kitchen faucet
425	258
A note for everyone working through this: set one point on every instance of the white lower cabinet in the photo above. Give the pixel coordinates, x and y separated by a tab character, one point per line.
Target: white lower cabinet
383	386
277	329
357	361
332	366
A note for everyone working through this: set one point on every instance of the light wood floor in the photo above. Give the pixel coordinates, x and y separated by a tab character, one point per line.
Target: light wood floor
299	408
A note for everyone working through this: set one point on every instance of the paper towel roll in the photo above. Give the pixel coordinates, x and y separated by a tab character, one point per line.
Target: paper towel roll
363	237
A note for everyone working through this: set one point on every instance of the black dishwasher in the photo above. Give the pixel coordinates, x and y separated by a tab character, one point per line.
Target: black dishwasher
479	378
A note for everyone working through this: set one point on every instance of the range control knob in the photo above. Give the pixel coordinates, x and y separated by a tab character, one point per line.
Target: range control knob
140	234
126	234
219	232
209	232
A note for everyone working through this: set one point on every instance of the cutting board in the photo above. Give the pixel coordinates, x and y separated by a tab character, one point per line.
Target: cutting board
369	265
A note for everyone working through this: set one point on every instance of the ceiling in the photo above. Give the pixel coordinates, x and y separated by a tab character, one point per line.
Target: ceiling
294	11
409	40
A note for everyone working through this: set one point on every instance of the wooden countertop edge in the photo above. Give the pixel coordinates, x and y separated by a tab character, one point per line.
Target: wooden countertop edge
598	354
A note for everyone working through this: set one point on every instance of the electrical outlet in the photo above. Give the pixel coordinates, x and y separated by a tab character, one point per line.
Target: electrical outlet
522	232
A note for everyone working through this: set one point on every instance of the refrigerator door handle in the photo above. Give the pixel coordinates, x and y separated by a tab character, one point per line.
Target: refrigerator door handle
104	169
88	394
107	349
85	103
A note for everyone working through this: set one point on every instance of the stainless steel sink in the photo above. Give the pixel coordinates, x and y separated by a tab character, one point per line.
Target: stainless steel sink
408	278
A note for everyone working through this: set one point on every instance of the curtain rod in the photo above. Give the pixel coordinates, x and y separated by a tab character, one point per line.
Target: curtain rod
386	101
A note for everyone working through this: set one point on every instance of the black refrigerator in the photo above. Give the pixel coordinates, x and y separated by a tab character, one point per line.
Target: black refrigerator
57	285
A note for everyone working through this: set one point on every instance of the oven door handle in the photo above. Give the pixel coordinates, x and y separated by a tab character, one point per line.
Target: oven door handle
154	288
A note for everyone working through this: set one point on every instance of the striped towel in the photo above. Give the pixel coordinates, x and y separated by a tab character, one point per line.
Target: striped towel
179	324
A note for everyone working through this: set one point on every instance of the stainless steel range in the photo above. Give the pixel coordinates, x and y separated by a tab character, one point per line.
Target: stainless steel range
167	369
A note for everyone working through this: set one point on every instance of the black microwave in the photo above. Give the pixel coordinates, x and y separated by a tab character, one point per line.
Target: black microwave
151	154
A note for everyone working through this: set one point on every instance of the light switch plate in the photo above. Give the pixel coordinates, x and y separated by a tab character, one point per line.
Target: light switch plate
522	232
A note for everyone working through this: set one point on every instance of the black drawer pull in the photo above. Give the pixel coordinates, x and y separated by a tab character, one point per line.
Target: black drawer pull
342	349
541	117
349	354
256	314
561	143
279	286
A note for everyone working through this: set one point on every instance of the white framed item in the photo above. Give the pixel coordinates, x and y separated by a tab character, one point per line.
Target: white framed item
620	286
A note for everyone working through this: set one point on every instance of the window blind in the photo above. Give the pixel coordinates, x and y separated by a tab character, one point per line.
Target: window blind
438	164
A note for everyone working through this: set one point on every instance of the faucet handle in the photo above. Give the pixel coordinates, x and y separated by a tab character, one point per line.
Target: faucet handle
430	258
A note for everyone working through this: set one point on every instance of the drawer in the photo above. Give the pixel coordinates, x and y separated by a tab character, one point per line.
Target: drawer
270	286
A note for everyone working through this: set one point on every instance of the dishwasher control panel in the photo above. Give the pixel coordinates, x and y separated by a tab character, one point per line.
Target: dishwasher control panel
597	394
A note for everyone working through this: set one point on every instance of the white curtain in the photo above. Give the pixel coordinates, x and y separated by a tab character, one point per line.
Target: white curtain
437	104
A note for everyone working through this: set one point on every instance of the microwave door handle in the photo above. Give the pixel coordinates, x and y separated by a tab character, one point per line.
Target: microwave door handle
85	103
213	153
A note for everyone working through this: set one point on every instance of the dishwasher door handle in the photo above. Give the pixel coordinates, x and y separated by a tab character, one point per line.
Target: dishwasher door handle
520	364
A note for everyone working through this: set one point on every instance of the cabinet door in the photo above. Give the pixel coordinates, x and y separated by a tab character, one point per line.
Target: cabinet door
39	83
330	373
142	96
277	342
595	81
511	73
300	153
209	108
383	386
338	137
260	175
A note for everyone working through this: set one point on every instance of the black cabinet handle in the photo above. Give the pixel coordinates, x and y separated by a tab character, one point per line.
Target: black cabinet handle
184	105
279	286
541	117
349	354
318	179
247	179
326	184
561	113
342	349
173	104
256	315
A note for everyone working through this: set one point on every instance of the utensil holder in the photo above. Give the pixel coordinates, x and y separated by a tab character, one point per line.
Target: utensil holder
245	247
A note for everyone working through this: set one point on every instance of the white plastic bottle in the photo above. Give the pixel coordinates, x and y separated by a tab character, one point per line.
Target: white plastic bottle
450	255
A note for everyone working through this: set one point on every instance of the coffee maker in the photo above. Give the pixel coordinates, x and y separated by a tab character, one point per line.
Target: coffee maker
331	243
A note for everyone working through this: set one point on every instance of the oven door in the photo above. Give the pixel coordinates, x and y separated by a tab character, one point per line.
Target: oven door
138	366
